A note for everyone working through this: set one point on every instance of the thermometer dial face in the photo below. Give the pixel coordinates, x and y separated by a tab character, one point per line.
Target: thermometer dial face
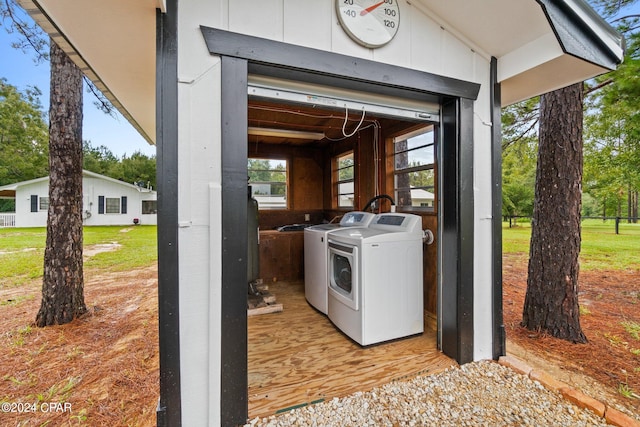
371	23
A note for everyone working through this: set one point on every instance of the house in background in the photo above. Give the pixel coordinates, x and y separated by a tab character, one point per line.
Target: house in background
422	198
106	201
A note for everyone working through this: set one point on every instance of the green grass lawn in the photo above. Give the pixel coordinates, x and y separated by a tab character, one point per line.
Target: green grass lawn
601	249
22	250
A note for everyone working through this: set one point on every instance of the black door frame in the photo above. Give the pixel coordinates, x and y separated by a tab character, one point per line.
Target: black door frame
242	55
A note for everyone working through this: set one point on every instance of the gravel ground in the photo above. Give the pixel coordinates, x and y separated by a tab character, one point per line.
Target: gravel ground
476	394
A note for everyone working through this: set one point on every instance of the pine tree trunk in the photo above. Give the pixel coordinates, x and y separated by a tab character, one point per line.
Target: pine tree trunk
63	281
551	302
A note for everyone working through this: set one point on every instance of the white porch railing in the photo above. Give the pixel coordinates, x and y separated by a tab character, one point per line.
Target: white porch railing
7	220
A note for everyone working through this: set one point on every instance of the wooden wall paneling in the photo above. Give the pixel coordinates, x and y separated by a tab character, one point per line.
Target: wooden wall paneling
272	255
296	249
430	270
281	255
365	167
306	183
340	147
388	164
327	197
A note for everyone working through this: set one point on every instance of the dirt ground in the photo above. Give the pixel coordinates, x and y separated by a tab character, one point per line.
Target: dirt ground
610	362
102	369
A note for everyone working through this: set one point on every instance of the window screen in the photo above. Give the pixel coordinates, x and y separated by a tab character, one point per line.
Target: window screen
414	169
268	180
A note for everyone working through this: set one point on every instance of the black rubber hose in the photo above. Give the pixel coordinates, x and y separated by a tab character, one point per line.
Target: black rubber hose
381	196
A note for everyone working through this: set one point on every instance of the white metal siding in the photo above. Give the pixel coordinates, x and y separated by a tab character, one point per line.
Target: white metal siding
199	217
24	216
482	185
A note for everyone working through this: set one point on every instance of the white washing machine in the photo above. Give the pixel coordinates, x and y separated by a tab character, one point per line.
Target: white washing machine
315	256
375	279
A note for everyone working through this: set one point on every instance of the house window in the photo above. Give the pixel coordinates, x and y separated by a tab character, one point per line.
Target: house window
44	204
268	181
149	207
112	205
343	174
414	169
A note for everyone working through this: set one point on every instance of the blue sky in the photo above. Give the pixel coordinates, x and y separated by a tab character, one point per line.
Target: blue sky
117	134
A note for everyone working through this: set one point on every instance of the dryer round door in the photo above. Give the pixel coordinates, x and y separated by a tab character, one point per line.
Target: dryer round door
343	273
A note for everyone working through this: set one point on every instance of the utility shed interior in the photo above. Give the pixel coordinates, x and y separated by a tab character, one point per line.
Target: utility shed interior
311	139
297	357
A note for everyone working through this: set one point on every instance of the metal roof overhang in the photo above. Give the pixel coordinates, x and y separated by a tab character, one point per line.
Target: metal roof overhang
540	45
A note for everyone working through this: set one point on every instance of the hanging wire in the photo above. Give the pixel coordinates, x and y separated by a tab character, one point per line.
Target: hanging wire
346	118
376	155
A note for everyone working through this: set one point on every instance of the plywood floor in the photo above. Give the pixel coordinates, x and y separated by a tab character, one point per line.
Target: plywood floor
298	357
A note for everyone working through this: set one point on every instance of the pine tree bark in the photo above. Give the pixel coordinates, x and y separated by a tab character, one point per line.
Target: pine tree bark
551	301
63	280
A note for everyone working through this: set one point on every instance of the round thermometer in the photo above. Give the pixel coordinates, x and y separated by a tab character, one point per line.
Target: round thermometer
371	23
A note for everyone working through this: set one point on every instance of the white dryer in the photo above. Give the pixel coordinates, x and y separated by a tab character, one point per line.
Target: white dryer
315	256
375	279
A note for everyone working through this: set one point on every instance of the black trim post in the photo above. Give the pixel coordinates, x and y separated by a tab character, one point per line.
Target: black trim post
284	60
579	38
448	253
234	381
499	337
456	223
169	411
466	232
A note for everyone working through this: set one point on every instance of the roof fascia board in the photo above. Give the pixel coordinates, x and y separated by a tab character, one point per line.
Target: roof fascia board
85	173
601	28
113	180
15	185
583	34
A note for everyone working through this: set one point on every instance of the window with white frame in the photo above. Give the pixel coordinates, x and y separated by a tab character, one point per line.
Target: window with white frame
268	181
414	169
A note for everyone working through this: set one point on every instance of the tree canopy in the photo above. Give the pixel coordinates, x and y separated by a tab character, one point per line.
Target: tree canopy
612	136
24	134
